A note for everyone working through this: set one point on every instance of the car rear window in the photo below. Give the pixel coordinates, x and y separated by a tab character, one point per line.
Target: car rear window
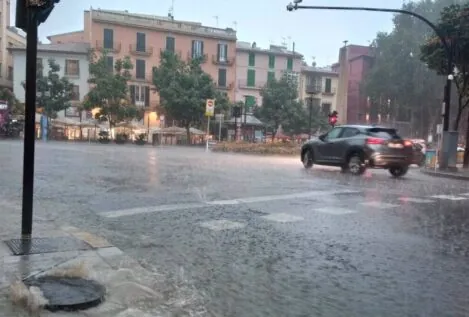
383	133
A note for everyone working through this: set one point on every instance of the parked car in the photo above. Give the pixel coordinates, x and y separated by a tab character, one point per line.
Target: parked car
357	147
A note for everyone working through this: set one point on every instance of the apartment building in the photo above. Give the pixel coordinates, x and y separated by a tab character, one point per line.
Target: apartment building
9	37
144	37
74	65
320	84
255	66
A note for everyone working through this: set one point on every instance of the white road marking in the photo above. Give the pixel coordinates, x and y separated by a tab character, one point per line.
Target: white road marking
416	200
465	194
281	217
379	205
246	200
335	210
219	225
449	197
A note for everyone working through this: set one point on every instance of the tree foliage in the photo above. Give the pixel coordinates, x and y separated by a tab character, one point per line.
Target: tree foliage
109	90
454	24
53	91
281	107
184	88
14	106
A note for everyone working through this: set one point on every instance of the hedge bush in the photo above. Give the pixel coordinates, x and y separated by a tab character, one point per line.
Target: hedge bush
258	148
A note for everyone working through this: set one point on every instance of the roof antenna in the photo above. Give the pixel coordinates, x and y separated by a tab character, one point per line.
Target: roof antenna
216	20
171	11
345	43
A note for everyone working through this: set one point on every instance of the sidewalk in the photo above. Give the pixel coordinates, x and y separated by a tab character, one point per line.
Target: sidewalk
132	290
460	174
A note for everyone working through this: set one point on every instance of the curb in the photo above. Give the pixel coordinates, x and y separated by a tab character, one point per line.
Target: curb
444	175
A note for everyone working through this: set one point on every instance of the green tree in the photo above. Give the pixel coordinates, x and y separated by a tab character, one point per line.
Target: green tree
53	91
14	106
109	90
184	88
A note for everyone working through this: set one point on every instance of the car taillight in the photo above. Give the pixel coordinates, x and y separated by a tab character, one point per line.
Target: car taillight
407	143
374	141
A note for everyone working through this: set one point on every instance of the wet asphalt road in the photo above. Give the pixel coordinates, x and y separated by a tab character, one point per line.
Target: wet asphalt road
261	236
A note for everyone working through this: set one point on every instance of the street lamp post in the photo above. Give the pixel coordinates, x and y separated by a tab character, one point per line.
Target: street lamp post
310	127
447	91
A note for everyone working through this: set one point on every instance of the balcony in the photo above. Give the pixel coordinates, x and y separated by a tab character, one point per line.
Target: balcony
313	89
116	47
329	93
203	57
226	87
139	51
243	84
227	62
146	79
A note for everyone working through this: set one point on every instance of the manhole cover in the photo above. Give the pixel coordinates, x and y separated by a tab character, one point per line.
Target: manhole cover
69	294
45	245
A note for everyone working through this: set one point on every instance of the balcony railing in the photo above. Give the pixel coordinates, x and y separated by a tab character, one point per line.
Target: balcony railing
223	61
116	47
313	89
144	79
329	93
203	57
140	51
244	84
226	87
176	52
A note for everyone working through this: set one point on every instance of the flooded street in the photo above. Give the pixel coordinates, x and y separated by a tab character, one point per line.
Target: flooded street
260	236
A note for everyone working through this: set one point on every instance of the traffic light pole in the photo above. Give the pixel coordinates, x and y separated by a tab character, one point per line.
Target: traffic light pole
29	125
310	116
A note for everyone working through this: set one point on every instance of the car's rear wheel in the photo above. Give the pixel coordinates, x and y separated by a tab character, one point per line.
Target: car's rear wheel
307	159
398	171
355	164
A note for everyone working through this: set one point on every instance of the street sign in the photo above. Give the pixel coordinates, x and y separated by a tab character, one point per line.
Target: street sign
439	129
210	107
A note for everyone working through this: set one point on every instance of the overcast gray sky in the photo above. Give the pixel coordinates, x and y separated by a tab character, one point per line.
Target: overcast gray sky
317	34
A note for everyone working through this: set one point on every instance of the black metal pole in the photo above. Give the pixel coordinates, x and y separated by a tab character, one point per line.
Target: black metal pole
29	125
447	94
310	116
236	129
244	125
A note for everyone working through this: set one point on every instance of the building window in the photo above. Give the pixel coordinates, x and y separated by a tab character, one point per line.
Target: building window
252	59
251	78
328	88
10	73
290	63
170	44
270	75
39	62
108	36
140	69
222	77
110	63
141	42
326	108
72	112
271	61
197	49
75	93
140	95
72	67
222	52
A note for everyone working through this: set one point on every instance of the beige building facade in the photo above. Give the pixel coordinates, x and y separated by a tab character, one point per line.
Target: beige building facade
144	37
321	84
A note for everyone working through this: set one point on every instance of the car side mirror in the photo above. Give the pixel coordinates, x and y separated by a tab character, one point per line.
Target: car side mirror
322	137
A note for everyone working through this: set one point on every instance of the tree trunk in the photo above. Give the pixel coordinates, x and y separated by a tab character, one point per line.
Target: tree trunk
81	128
458	116
466	149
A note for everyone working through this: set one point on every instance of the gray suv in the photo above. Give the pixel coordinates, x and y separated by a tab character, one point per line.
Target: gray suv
357	147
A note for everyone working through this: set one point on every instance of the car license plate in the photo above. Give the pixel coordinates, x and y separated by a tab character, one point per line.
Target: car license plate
396	145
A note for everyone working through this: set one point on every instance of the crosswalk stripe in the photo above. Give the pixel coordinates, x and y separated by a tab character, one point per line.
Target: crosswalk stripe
449	197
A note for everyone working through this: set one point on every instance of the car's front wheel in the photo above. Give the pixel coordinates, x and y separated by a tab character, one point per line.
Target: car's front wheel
307	159
398	171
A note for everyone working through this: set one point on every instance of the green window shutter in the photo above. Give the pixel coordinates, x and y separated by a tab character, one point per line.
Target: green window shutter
252	59
108	36
250	102
141	39
110	63
328	87
270	76
140	69
251	78
290	63
271	61
170	44
222	77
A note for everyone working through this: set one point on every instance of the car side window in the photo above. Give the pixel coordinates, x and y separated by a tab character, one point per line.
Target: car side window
333	134
349	132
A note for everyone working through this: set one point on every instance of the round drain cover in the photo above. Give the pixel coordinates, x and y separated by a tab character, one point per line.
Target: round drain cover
69	294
